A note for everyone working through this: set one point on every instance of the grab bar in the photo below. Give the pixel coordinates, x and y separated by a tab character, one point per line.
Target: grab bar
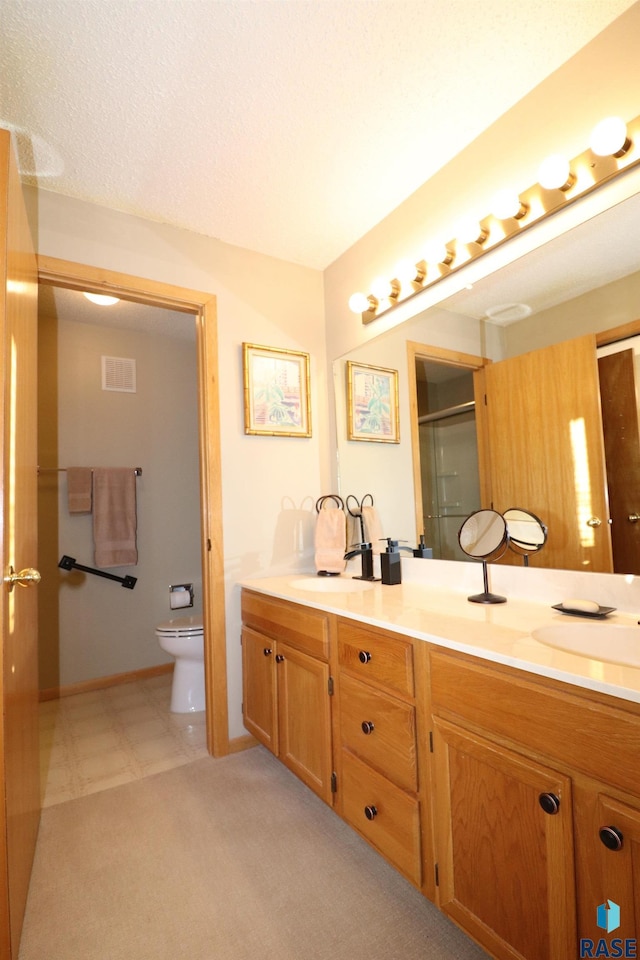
69	563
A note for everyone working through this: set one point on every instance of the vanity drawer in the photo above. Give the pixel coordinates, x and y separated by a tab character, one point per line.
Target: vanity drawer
582	734
380	729
380	658
303	628
383	814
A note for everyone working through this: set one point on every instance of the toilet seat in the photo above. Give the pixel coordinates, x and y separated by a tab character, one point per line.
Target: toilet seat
181	627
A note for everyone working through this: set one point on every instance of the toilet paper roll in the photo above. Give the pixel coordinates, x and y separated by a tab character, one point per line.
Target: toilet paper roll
179	598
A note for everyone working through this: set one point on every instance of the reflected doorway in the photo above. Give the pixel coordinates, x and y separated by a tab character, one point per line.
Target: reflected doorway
448	454
447	472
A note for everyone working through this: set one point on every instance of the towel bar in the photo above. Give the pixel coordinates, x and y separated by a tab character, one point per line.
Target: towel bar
69	563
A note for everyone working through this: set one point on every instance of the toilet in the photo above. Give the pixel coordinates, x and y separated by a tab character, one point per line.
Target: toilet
183	638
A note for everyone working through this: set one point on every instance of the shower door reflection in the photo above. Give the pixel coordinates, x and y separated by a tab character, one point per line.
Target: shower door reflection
450	477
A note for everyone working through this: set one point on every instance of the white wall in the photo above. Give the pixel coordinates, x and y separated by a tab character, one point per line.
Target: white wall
269	485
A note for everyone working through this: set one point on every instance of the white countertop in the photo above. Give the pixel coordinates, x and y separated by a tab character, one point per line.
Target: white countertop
444	617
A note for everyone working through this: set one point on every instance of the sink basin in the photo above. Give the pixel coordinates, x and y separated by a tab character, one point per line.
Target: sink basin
612	642
331	585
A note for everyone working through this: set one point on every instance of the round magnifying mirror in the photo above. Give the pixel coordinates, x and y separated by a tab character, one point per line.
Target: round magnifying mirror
527	533
484	536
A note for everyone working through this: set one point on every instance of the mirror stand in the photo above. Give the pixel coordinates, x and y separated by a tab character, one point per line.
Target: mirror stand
486	596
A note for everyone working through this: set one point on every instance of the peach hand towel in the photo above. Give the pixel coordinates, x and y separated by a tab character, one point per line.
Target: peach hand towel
114	517
373	529
79	489
331	540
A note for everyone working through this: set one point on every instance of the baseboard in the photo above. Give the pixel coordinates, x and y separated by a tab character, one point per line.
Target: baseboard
101	683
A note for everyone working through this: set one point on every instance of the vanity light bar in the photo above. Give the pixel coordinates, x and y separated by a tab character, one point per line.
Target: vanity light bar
614	148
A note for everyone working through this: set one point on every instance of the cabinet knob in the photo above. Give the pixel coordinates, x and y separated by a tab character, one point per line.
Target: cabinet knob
267	651
370	812
279	658
364	656
367	726
549	803
611	837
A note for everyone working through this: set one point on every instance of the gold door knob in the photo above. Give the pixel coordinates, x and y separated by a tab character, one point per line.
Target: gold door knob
594	522
26	578
633	517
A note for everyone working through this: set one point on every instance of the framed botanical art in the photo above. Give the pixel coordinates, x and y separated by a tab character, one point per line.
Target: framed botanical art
276	392
372	403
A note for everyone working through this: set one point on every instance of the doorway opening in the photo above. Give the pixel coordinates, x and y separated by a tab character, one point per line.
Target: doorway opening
96	640
446	450
201	307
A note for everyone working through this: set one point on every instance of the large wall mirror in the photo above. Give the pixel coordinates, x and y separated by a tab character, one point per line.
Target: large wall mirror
582	283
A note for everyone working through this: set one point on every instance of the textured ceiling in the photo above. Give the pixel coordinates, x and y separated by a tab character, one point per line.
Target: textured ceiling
289	127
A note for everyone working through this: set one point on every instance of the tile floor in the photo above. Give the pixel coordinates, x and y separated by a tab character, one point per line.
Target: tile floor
93	741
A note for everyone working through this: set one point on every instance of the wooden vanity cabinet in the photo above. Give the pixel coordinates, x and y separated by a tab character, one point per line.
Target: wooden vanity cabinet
379	770
286	699
528	771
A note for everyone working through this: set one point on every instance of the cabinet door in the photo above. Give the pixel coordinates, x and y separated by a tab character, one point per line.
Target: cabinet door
259	688
304	720
505	866
608	864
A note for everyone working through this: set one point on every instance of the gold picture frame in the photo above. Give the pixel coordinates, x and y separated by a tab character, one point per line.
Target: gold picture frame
372	403
277	395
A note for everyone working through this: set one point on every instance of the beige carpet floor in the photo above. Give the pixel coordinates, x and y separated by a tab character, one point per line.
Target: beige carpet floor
230	859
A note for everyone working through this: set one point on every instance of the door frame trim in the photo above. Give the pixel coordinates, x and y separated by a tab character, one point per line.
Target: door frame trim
77	276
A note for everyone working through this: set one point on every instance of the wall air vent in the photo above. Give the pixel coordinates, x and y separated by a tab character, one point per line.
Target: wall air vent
119	374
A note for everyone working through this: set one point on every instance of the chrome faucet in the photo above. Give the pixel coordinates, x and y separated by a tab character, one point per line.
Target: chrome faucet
365	550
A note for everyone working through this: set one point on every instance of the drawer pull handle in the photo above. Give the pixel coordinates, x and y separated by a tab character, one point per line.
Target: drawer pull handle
367	726
279	658
549	803
364	656
611	837
370	812
267	651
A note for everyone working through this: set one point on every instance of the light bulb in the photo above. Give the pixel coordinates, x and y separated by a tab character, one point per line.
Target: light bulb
555	173
407	272
470	231
101	299
507	205
359	303
382	288
437	252
609	138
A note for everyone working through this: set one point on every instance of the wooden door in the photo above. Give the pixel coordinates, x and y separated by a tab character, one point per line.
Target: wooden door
19	760
546	450
622	453
607	872
304	718
259	703
505	865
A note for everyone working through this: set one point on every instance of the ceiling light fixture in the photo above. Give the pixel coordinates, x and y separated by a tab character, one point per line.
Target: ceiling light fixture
609	138
101	299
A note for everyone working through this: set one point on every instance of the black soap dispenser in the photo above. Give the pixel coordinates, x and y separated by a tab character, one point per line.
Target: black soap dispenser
390	569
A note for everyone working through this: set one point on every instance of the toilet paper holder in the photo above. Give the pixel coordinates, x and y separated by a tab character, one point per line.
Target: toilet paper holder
180	595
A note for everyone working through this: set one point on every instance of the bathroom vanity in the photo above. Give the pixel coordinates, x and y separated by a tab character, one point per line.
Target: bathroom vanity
498	774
